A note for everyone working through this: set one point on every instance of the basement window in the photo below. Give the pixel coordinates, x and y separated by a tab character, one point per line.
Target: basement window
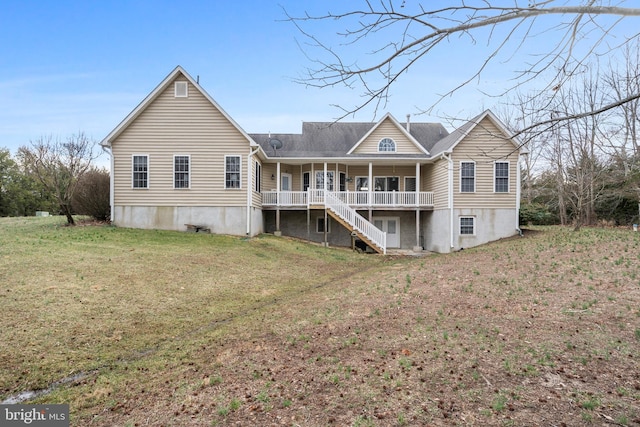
320	225
467	225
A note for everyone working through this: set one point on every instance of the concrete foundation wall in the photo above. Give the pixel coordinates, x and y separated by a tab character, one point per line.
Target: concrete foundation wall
220	220
294	224
436	231
490	225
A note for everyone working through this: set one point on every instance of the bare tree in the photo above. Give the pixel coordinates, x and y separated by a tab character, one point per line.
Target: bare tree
578	151
59	165
398	34
520	114
623	79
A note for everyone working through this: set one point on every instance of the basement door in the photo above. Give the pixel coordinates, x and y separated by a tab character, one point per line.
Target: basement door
392	226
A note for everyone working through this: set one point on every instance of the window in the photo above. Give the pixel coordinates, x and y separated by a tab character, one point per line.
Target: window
467	177
181	89
386	183
409	183
501	177
305	181
343	181
140	169
320	180
362	183
467	225
180	171
231	171
320	225
258	177
386	145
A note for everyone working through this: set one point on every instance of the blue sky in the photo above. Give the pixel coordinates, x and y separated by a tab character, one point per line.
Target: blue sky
69	66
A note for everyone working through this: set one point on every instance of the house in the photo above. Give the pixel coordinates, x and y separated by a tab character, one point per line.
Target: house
179	159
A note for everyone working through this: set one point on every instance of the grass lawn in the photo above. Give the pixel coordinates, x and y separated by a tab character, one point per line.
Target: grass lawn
136	327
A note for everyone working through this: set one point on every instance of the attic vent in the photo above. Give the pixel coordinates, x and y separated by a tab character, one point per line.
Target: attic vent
181	90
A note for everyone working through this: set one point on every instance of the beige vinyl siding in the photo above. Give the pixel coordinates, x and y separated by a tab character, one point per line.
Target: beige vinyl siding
268	184
187	126
484	145
256	198
437	178
387	130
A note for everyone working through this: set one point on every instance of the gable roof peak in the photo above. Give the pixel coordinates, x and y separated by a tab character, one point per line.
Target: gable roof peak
106	142
396	123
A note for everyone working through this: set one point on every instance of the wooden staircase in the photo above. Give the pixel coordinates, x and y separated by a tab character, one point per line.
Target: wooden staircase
358	233
352	220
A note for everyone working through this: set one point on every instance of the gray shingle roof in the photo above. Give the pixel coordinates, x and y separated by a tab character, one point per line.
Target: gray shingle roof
335	139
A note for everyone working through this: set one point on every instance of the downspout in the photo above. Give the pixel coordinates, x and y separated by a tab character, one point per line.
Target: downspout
450	196
518	195
111	181
250	188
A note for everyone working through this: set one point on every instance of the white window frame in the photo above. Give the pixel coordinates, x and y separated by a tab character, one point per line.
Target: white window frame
386	182
289	178
306	175
389	142
475	173
188	172
133	172
239	157
331	183
181	89
496	177
415	183
473	225
328	225
360	179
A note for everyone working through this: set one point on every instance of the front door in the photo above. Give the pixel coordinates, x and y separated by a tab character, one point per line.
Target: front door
285	182
392	226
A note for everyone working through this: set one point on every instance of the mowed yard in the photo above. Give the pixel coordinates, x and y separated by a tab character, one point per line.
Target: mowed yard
136	328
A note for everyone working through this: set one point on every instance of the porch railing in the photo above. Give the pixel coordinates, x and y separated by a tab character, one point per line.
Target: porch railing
351	198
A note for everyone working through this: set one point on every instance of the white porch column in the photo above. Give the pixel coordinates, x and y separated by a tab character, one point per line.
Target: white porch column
278	232
417	247
417	184
370	192
324	180
324	193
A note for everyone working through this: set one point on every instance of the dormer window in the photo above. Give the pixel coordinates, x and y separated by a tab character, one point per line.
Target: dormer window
181	90
386	145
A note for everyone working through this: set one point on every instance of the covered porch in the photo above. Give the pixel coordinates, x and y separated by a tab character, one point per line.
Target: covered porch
355	199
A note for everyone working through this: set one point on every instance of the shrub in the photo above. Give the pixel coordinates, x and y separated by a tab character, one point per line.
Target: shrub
536	214
92	195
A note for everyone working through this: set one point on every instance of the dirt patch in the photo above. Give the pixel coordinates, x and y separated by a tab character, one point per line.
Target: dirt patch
537	331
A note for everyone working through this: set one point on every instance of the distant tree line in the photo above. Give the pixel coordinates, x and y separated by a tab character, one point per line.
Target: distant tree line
53	175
